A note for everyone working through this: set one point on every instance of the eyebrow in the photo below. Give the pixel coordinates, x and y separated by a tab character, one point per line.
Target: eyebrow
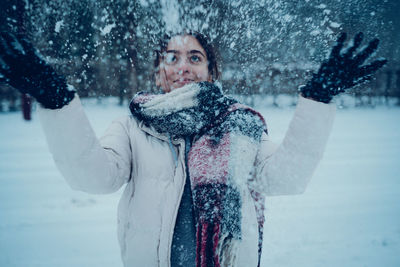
191	52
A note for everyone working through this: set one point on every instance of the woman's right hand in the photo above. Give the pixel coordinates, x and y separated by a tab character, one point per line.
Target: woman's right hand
24	69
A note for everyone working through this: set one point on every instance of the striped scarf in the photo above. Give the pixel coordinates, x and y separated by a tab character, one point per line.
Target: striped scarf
226	137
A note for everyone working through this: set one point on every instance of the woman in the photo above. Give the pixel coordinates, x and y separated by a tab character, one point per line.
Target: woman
195	163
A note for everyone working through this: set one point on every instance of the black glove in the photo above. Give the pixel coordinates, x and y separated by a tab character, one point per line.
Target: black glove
342	70
23	69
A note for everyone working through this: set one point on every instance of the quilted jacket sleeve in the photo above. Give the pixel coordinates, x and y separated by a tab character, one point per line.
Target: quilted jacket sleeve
87	163
287	168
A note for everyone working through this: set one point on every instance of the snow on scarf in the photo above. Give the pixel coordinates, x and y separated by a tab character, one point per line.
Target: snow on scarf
226	137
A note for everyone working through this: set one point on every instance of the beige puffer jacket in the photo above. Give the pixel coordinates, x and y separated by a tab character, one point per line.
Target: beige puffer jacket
136	156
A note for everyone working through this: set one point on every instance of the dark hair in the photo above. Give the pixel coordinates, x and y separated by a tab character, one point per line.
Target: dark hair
204	42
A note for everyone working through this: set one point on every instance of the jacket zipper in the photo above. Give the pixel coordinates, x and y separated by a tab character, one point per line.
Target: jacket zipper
182	144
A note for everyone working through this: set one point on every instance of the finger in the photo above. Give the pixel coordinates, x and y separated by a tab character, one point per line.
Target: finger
4	49
33	54
371	68
363	79
27	45
356	43
10	58
366	52
4	68
339	45
22	47
2	77
12	44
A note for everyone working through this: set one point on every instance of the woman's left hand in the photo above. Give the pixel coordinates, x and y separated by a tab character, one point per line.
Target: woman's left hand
342	70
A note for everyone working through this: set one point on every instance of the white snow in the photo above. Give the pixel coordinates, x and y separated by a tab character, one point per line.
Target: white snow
315	32
107	29
349	215
58	25
334	25
170	15
321	6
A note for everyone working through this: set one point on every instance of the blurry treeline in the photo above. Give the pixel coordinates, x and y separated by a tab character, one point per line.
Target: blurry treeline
105	48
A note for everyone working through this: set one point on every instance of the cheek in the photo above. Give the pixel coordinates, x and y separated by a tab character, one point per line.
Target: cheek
169	71
202	74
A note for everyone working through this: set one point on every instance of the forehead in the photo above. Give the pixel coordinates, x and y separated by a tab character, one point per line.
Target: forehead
184	43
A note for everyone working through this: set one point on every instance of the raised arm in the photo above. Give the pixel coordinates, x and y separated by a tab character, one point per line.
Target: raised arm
86	163
287	169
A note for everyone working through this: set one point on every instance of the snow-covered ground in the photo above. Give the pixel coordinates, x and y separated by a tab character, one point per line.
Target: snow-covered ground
349	215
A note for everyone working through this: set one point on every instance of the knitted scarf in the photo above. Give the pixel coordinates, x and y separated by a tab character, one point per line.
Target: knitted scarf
226	136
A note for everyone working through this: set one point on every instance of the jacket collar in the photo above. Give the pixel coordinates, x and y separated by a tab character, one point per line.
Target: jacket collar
151	131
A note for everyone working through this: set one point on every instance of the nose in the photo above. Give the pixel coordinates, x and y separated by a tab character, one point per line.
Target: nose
183	67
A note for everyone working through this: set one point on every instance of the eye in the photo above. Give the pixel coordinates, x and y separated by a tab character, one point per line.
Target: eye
195	59
170	58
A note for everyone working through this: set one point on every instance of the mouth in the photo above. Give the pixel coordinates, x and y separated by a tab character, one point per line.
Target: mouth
183	81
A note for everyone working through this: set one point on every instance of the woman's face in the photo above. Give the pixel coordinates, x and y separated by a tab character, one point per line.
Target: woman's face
183	62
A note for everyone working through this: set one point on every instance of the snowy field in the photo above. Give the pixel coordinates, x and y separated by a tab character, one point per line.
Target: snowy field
349	215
